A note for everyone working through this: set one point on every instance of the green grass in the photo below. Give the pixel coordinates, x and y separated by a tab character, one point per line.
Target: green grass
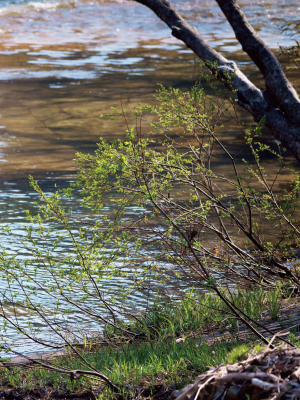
204	312
168	347
134	365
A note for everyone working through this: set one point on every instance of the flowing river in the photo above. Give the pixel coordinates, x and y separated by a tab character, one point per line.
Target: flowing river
65	62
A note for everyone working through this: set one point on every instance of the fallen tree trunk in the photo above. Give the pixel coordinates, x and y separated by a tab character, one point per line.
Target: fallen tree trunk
279	103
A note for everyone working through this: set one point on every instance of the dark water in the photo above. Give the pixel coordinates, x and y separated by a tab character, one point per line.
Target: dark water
65	62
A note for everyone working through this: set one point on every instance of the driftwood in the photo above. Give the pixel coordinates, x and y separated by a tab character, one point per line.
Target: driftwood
279	104
271	374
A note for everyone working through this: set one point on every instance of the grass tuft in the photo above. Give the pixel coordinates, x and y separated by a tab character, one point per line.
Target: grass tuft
168	348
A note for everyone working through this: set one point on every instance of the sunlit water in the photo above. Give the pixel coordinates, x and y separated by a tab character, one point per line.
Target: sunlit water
62	63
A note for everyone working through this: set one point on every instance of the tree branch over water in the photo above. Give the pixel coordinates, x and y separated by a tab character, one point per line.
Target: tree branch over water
278	104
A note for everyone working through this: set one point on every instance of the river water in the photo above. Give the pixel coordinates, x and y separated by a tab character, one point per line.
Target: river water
65	62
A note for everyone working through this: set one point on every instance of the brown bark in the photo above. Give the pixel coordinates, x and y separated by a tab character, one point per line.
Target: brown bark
277	84
284	121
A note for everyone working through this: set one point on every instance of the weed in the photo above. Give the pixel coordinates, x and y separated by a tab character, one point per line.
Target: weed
274	298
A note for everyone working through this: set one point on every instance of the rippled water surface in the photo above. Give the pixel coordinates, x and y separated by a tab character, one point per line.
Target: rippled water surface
62	63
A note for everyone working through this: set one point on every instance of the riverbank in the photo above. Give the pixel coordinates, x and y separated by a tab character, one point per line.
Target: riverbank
168	349
142	370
